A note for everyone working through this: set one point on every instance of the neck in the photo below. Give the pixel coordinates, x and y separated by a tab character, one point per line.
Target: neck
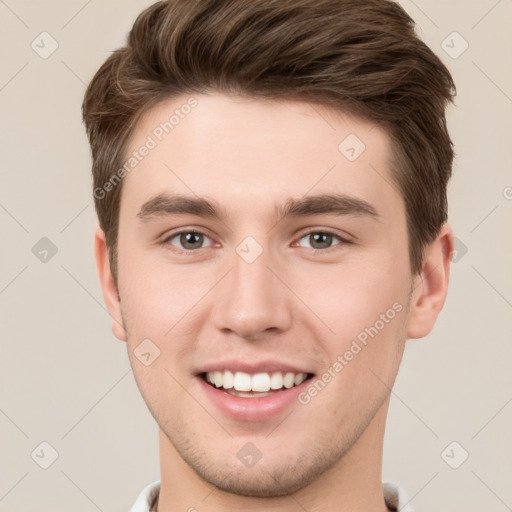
352	484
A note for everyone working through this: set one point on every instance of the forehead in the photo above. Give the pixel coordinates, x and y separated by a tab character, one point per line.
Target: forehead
251	151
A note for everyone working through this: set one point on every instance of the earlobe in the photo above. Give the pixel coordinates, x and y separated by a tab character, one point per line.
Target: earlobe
108	285
431	285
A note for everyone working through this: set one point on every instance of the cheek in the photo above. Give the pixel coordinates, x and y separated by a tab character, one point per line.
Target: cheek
365	304
346	299
367	313
157	295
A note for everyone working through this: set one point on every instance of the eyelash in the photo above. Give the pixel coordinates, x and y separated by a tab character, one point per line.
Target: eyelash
341	240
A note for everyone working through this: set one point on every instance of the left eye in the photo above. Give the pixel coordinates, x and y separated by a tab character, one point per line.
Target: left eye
319	240
189	240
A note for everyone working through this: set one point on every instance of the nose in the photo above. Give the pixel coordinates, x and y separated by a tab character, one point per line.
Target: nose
252	302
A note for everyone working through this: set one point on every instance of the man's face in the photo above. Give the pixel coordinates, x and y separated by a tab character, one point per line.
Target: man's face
271	278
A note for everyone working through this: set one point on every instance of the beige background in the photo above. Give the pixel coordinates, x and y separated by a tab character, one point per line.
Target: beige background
65	380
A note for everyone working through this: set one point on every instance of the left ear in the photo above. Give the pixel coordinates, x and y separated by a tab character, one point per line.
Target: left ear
431	284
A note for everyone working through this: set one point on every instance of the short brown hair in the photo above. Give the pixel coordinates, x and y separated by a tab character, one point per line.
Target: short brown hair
358	56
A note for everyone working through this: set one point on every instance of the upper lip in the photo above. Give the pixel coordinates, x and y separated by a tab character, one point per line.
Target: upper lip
266	366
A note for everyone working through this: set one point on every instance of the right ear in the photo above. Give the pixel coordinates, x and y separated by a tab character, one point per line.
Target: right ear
108	285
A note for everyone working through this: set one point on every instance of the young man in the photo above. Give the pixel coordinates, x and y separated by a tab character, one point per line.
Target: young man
270	180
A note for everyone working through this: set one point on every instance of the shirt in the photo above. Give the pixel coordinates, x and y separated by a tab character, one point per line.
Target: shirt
395	497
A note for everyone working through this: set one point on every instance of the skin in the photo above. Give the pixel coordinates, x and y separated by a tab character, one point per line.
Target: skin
294	303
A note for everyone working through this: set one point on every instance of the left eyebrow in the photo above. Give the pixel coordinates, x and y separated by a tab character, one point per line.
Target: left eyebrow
337	204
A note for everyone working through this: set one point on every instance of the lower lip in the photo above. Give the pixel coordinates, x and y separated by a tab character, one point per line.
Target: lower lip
252	409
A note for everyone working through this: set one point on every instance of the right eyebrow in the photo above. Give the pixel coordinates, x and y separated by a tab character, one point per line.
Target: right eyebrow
165	204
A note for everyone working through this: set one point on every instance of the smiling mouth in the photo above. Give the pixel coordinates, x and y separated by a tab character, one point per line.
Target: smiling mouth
257	385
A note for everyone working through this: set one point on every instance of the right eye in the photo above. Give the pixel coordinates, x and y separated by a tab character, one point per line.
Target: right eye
188	240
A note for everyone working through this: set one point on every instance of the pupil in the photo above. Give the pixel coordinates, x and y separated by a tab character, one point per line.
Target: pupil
191	240
320	240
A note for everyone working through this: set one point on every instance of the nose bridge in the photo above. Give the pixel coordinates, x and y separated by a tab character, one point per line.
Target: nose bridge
253	300
251	279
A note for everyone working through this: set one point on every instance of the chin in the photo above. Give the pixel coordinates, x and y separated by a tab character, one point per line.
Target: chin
264	482
278	473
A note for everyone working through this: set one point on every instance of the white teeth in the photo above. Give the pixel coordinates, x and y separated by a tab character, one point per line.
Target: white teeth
217	379
242	382
227	379
288	380
276	381
259	382
299	378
